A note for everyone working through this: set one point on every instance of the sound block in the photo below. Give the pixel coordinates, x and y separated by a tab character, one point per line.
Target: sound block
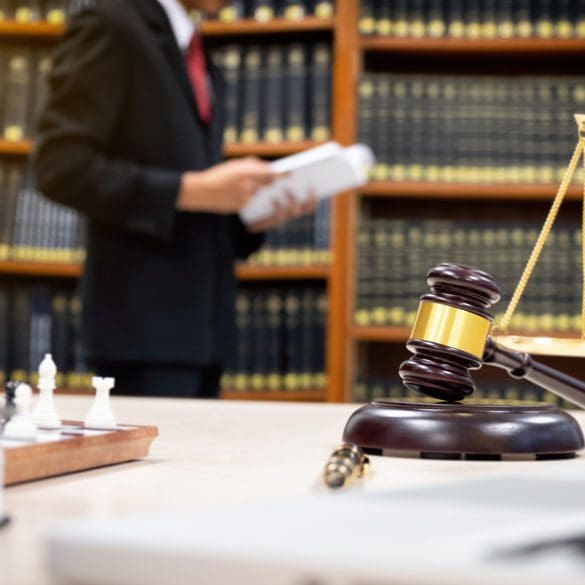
464	431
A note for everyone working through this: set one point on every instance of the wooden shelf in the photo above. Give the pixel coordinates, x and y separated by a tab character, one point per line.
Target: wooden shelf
377	333
49	269
31	29
247	272
468	191
263	149
282	396
211	28
16	148
268	149
531	46
243	271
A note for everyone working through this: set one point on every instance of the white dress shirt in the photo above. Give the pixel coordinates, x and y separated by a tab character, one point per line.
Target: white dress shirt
182	25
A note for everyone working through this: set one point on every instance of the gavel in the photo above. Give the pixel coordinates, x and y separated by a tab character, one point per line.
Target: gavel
450	337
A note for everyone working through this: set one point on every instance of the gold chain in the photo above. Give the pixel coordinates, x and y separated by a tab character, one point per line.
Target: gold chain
545	231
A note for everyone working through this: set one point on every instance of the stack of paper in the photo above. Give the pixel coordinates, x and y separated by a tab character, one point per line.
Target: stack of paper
322	171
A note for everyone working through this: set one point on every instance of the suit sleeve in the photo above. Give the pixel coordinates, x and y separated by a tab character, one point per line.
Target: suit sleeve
246	243
88	94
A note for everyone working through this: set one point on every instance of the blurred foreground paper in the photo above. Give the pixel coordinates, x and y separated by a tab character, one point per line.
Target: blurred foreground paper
325	171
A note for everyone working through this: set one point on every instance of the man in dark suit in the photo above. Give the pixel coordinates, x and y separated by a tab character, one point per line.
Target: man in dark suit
131	137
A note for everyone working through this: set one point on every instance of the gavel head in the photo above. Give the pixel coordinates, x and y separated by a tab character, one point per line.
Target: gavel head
450	332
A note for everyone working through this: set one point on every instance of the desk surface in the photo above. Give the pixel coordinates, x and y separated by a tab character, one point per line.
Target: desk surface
209	452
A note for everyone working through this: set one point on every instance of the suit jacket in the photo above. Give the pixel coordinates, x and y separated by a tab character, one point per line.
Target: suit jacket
119	128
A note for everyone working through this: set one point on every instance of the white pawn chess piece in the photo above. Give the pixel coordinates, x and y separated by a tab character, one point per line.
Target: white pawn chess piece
100	415
45	413
21	426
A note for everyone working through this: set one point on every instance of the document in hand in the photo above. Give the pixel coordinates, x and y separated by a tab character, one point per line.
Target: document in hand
324	171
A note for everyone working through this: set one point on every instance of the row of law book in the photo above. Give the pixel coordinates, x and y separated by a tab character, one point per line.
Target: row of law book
281	340
32	228
266	10
366	389
473	19
480	129
35	229
53	11
276	93
300	242
23	79
393	257
36	319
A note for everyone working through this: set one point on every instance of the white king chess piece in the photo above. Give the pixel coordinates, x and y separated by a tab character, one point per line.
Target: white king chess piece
100	415
45	413
21	426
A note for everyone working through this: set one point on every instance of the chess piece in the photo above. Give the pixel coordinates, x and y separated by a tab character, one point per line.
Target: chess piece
10	393
450	337
45	413
100	415
21	426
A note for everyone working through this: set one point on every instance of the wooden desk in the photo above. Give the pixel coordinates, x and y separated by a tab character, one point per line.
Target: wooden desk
208	452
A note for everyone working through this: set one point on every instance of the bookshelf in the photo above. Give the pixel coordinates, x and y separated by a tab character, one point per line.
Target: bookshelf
381	348
243	272
280	395
31	30
278	30
271	27
468	191
465	47
15	148
267	149
351	55
264	149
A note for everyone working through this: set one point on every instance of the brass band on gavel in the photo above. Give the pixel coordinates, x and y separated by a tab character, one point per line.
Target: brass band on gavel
451	327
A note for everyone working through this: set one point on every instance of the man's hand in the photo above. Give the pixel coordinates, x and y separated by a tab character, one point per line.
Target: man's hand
224	188
282	213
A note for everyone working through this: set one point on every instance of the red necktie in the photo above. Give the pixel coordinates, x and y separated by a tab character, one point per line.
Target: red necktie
197	69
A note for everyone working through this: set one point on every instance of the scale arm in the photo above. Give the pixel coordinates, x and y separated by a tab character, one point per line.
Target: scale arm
522	366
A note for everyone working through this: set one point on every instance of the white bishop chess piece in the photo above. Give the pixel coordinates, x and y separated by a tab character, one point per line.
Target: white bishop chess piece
45	413
100	415
21	426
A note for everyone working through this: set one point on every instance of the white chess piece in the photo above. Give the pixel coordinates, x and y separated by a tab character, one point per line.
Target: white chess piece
100	415
21	426
45	413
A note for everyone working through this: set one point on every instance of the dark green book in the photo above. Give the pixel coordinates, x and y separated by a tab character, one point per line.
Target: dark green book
296	93
320	92
273	113
250	126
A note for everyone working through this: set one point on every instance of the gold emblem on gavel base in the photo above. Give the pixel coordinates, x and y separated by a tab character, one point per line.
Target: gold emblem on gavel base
347	463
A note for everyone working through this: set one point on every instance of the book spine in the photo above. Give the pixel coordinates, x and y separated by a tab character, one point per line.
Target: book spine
250	127
296	96
273	127
320	92
15	120
367	21
233	11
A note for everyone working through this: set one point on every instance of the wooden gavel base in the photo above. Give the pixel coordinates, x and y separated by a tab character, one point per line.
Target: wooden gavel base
461	430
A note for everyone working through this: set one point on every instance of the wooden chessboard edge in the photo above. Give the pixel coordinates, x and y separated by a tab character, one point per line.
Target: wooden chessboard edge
44	460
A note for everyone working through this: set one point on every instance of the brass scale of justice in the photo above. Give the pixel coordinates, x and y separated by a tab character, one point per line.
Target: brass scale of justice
450	337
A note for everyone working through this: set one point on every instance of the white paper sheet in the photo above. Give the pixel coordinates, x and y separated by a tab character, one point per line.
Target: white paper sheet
323	171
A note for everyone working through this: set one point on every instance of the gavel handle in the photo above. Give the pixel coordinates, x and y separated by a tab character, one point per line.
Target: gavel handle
522	366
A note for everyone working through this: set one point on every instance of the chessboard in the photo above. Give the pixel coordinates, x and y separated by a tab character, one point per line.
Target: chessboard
73	448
